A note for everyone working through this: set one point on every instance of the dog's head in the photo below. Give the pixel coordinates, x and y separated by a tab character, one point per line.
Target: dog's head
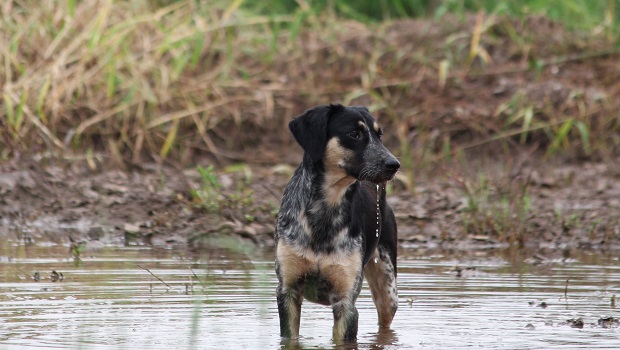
346	139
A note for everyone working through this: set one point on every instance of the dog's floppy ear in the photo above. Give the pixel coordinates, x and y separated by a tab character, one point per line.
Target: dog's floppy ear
310	131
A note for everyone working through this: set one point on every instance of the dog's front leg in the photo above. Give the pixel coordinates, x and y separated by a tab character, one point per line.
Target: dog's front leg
289	309
345	320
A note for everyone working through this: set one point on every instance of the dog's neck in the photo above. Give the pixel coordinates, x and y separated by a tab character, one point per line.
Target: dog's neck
330	184
335	186
328	210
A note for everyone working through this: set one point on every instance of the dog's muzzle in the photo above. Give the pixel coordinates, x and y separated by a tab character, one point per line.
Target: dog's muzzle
383	168
390	167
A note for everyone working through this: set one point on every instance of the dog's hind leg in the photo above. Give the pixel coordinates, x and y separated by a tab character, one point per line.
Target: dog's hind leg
289	310
380	273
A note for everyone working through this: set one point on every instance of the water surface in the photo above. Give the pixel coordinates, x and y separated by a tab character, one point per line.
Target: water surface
221	298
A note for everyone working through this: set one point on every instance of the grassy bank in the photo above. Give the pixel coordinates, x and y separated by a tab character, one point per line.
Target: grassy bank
582	14
106	83
119	82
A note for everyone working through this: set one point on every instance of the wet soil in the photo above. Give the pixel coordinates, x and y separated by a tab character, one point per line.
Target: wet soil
571	206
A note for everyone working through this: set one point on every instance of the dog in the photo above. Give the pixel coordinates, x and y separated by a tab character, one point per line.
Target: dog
334	225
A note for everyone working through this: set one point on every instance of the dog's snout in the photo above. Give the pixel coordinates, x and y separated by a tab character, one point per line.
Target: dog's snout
392	164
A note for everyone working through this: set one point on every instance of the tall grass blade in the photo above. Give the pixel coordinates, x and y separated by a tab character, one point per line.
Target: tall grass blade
71	6
42	98
232	8
95	36
298	21
444	68
560	137
179	65
19	114
584	132
474	47
197	48
111	79
528	115
172	134
10	112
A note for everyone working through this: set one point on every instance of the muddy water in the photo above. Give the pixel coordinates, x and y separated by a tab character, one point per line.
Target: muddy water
224	299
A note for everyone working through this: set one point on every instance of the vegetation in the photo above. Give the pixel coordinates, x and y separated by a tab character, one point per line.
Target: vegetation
122	80
118	82
497	209
583	14
212	197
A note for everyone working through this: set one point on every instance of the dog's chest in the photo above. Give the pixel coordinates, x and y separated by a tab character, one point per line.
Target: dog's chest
318	241
307	220
322	230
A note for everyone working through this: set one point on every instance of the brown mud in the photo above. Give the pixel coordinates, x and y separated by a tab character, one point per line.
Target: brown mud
571	206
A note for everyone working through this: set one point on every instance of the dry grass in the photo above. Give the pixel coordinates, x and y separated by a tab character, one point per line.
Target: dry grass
127	80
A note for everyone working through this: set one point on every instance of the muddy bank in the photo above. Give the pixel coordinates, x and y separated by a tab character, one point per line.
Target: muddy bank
568	206
539	90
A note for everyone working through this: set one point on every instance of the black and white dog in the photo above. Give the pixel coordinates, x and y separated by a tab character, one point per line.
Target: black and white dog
334	225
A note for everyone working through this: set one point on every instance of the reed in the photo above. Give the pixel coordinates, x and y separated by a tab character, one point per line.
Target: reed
122	81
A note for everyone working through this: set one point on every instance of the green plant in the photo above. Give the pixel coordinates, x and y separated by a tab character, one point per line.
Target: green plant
576	13
208	196
212	197
496	209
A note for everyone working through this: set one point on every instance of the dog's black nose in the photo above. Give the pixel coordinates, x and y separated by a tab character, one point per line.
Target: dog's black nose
392	164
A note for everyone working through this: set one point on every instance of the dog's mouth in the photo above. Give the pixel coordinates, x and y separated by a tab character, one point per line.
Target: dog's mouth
385	178
377	177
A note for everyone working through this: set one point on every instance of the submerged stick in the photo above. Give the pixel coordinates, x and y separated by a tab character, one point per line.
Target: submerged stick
566	290
194	274
152	274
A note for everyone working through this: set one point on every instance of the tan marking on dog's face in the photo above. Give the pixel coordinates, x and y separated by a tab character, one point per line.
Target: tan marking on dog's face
336	179
375	126
292	264
336	156
362	124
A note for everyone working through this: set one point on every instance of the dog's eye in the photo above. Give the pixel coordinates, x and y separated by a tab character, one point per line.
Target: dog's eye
380	133
355	134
